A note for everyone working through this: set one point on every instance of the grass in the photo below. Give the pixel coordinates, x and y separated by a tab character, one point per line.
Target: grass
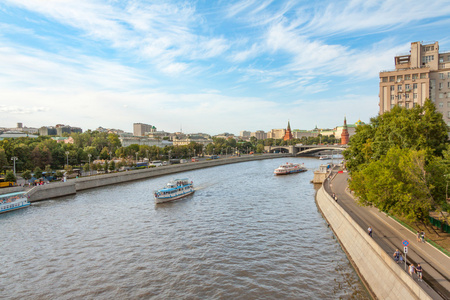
441	241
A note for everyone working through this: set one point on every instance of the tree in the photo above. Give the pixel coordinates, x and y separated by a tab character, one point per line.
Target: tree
9	176
59	174
259	148
112	166
37	172
86	168
26	175
3	159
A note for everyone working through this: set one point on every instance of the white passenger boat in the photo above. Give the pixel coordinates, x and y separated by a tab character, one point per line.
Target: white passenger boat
325	157
175	189
289	168
13	201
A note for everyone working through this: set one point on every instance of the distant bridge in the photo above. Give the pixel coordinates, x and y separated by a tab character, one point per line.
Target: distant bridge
306	150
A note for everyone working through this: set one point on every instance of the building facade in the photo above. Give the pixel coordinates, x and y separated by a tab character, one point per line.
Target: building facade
423	73
140	129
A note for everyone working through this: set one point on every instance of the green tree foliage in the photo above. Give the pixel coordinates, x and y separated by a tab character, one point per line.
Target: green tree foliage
3	159
37	172
9	176
26	175
398	162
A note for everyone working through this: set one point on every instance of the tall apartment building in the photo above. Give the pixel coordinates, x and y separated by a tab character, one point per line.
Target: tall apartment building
140	129
423	73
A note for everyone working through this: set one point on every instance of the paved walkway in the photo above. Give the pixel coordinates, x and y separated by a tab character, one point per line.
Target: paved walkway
389	235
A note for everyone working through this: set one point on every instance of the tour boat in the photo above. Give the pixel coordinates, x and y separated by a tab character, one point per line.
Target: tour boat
289	168
13	201
325	157
175	189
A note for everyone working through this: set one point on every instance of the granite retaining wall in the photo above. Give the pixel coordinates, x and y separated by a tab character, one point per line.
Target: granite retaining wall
382	276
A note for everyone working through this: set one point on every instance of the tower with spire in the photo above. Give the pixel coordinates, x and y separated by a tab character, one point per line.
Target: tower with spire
344	135
288	135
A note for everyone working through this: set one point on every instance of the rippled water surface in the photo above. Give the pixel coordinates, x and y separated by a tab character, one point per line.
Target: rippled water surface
244	234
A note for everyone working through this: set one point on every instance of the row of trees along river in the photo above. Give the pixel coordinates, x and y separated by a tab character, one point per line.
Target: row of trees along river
43	154
400	163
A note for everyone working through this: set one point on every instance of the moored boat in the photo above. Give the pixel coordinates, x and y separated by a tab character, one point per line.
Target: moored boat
13	201
289	168
175	189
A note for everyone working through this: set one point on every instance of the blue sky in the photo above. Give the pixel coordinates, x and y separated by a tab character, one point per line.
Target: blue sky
204	66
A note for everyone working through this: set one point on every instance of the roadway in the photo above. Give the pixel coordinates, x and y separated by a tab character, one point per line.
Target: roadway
389	235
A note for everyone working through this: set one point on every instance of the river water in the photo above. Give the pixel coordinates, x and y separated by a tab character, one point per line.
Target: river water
244	234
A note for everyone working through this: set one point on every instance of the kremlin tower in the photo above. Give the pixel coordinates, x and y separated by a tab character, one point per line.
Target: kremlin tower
344	134
288	135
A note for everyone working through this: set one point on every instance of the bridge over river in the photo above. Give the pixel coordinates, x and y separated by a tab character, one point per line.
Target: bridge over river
307	150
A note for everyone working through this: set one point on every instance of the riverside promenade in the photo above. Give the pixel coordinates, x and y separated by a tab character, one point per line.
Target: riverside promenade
389	234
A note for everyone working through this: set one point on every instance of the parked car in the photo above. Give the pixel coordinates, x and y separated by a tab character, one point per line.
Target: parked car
194	159
157	163
183	161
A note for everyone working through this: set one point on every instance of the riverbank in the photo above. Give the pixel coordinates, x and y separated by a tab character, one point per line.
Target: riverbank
72	186
384	278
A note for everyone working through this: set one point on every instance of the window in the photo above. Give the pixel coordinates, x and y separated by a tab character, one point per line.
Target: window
441	75
392	78
441	59
384	79
448	103
400	105
415	95
429	48
428	58
392	88
392	97
399	88
407	97
415	86
407	87
415	76
441	85
407	105
441	105
423	75
441	96
407	77
448	114
448	74
399	78
399	96
448	84
414	104
392	106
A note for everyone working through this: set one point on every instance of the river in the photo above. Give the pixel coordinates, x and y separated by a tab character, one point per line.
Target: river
244	234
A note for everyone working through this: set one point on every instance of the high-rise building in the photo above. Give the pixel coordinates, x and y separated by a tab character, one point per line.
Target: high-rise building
245	133
422	73
140	129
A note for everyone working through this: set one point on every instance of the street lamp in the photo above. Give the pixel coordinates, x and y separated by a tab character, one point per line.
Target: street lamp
89	155
67	157
14	158
137	157
170	151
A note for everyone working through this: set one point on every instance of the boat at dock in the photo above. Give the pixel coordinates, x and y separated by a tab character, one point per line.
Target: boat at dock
13	201
289	168
175	189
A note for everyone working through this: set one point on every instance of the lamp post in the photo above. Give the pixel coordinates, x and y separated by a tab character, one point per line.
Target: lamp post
89	155
170	151
137	157
67	158
14	158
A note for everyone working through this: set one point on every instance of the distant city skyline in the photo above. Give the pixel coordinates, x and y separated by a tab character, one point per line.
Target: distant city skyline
204	66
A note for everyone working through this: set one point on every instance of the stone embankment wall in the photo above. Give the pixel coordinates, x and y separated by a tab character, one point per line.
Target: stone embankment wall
72	186
382	276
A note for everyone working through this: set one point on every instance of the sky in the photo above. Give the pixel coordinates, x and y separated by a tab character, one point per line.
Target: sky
208	66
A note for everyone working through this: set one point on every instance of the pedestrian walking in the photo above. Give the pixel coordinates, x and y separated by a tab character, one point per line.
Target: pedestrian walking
412	270
396	256
422	236
418	237
419	272
370	231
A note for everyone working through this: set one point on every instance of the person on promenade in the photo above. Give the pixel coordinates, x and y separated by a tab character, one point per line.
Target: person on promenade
418	236
422	236
419	272
370	231
412	270
396	256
